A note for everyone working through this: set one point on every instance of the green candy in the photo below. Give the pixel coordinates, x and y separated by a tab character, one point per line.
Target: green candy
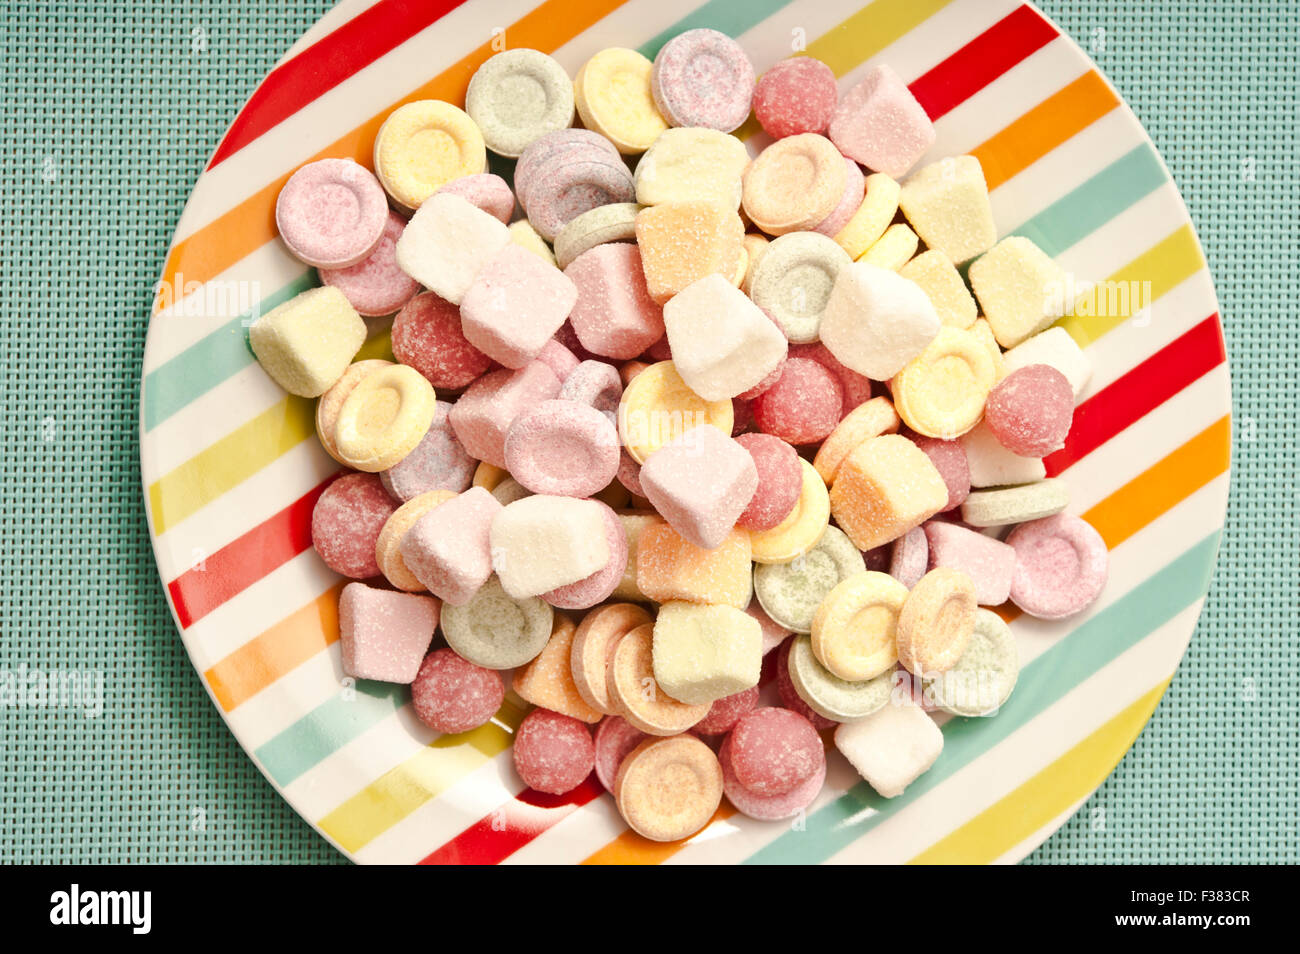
495	631
830	696
791	592
984	676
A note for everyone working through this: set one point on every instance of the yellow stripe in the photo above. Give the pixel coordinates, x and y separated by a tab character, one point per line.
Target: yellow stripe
1047	795
869	31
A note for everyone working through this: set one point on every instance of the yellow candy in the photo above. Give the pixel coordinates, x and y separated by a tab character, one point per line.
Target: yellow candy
742	268
1020	288
947	203
884	488
867	420
868	224
388	547
489	476
424	145
941	392
524	235
612	91
681	242
936	622
893	249
854	634
755	245
685	165
327	408
307	343
384	418
634	524
799	532
980	328
670	567
703	653
548	682
658	407
635	694
940	280
794	184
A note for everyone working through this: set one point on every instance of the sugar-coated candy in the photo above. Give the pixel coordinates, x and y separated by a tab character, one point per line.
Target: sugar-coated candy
855	188
942	391
438	462
989	562
488	477
427	335
514	306
602	225
600	583
724	713
331	213
595	384
615	740
424	145
938	277
982	679
658	407
307	343
804	404
547	681
510	490
668	789
892	747
703	653
447	242
563	448
1061	566
992	465
801	529
780	479
593	647
388	546
615	315
909	557
949	459
525	236
634	523
884	488
793	281
486	191
670	567
556	148
384	635
452	695
791	592
877	210
936	621
875	321
484	413
559	359
701	482
385	417
794	96
774	634
854	629
516	97
496	631
880	124
553	752
998	506
773	751
1053	347
703	78
692	164
1030	410
868	420
545	541
447	548
681	242
565	190
638	697
1020	289
893	249
769	807
793	184
614	99
947	204
376	285
790	698
327	408
825	693
346	523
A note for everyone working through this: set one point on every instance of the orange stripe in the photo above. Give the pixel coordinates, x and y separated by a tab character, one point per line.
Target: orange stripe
251	224
630	848
284	647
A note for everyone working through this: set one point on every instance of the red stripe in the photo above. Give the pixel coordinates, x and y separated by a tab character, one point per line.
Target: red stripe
1140	391
326	63
242	562
982	60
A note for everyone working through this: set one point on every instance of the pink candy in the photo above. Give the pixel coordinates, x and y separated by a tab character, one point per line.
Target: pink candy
1030	410
855	187
949	459
490	405
615	739
795	96
595	384
558	358
452	695
346	522
703	78
880	124
562	448
553	753
857	387
514	305
614	316
332	213
439	462
427	335
556	147
375	285
909	557
567	189
384	634
448	549
490	193
989	562
768	807
773	751
780	481
804	406
726	712
701	482
1061	566
598	586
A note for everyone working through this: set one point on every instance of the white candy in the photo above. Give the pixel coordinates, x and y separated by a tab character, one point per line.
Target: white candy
992	465
543	542
722	343
685	164
891	747
876	321
446	242
1053	347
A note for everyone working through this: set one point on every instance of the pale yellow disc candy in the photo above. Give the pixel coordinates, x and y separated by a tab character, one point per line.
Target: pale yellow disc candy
936	621
755	244
658	407
868	224
424	145
524	235
942	391
612	91
869	419
801	529
668	789
793	184
892	250
489	476
327	407
384	418
854	632
388	547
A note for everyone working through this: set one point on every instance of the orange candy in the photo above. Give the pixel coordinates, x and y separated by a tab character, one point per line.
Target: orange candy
548	680
670	567
884	488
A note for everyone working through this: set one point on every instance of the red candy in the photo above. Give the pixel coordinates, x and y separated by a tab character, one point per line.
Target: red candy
949	459
768	807
790	698
453	695
346	521
804	406
553	752
428	337
773	751
615	738
726	712
780	480
1030	410
857	387
795	96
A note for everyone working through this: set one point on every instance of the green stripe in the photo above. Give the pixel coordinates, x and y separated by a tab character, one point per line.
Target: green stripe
1073	659
725	16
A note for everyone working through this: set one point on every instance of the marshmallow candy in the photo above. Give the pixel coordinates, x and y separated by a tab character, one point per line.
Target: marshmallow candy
947	203
701	483
543	542
447	242
307	343
891	747
875	322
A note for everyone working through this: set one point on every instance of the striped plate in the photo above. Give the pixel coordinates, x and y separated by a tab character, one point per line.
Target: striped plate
231	470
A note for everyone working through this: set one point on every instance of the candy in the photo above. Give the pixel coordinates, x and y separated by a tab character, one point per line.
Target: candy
703	653
724	713
385	417
780	479
984	332
668	789
855	184
936	621
563	448
1002	505
854	631
769	807
880	124
892	747
593	648
858	389
510	490
684	165
793	184
638	697
424	145
485	191
703	78
800	531
864	422
567	189
865	227
774	634
615	740
803	406
557	148
938	277
1030	410
495	631
331	213
790	698
793	281
893	249
614	98
884	488
486	410
681	242
982	679
438	462
525	236
795	96
598	586
388	552
598	226
989	562
949	459
629	474
658	407
1053	347
633	525
597	385
514	305
452	695
384	635
447	548
559	359
701	482
875	322
827	694
791	592
307	343
489	477
614	316
376	285
773	751
941	392
947	203
553	752
909	557
722	344
992	465
427	335
1061	566
447	242
547	681
1020	289
346	522
518	96
327	408
670	567
541	542
755	245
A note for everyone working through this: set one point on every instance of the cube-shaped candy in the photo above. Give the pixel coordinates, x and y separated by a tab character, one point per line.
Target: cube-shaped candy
446	242
670	567
448	549
681	242
1020	288
686	164
880	124
514	305
383	634
942	283
875	321
490	405
947	204
992	465
722	343
1056	348
891	747
989	562
634	524
883	489
701	483
614	316
543	542
702	653
307	343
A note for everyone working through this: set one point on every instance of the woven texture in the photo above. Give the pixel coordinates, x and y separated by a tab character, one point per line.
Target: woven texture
108	118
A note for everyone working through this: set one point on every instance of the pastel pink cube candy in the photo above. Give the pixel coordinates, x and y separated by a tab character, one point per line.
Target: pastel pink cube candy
990	563
448	550
490	405
880	124
515	305
701	483
614	317
384	634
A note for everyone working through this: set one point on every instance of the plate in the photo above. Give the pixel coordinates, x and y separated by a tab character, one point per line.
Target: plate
231	468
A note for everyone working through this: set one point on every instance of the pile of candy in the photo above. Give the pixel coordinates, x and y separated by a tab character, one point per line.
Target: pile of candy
717	404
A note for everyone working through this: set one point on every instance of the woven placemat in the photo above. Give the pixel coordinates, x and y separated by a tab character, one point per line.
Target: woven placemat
109	116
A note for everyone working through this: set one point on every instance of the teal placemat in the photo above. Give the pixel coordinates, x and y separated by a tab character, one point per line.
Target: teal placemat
109	114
